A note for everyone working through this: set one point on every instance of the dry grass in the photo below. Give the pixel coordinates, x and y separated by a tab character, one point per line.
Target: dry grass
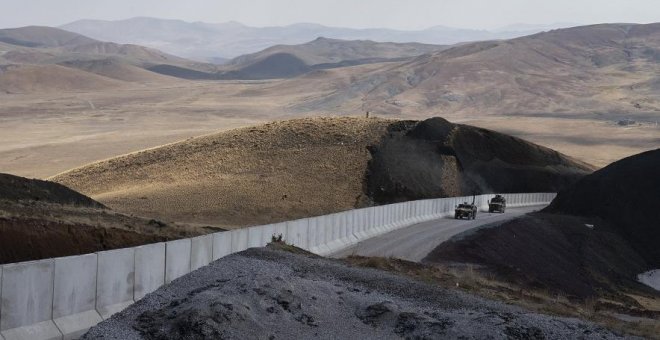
268	173
474	280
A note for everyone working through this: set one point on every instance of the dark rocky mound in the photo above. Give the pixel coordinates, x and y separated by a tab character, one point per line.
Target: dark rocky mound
275	66
435	158
14	188
264	293
626	194
182	72
593	240
555	253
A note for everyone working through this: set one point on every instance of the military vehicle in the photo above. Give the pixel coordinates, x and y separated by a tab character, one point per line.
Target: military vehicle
497	204
466	210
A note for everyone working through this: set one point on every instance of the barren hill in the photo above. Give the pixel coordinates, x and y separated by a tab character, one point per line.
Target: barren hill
601	68
286	61
306	167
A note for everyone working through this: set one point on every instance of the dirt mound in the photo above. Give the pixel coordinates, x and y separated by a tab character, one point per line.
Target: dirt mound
624	194
14	188
435	158
557	253
266	293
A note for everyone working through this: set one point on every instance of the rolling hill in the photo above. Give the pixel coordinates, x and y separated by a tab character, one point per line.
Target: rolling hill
609	68
312	166
286	61
37	59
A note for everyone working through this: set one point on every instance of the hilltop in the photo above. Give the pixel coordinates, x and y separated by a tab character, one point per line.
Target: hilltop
314	166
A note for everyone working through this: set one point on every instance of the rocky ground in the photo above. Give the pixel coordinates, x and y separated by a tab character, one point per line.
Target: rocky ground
279	292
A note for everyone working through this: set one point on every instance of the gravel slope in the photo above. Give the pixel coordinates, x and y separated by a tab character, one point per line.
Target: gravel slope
267	293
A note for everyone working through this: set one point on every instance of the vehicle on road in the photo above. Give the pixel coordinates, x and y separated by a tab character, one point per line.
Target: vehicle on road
465	210
497	204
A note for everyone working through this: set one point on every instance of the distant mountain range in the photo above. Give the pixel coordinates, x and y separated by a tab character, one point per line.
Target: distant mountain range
219	42
607	68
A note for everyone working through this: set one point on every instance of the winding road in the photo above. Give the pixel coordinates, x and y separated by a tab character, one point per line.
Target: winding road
415	242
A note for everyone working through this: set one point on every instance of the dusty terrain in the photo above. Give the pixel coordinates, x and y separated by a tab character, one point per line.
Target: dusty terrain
270	293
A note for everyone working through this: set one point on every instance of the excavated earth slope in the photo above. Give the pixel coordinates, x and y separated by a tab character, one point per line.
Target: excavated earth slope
435	158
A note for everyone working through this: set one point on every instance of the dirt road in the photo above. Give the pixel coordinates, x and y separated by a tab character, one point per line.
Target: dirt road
415	242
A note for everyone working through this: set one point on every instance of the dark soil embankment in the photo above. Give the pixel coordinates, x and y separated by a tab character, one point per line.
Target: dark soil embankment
15	188
264	293
25	239
626	194
593	240
41	219
556	253
435	158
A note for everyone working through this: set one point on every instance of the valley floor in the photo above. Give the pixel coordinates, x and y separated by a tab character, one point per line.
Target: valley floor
47	133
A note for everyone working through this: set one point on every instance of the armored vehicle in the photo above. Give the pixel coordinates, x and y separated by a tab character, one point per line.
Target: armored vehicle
465	210
497	204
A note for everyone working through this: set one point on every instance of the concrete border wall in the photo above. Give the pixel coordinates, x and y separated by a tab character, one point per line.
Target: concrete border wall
62	298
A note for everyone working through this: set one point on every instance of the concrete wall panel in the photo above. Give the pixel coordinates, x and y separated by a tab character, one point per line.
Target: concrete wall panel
221	244
27	301
177	259
115	281
239	240
267	232
74	294
255	237
298	233
201	251
149	269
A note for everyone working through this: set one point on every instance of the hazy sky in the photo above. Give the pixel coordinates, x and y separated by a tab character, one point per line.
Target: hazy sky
398	14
